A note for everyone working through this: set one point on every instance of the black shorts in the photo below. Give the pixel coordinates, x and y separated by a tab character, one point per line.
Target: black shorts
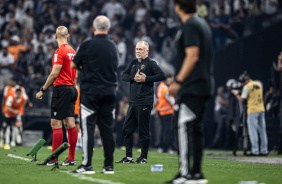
63	102
9	121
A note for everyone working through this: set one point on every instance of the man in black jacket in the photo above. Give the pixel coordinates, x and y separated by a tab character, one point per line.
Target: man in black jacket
141	73
98	59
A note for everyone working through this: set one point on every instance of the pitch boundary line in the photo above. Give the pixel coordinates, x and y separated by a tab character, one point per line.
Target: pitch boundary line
79	176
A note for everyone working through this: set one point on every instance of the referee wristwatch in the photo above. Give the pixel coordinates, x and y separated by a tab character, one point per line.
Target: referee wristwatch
41	89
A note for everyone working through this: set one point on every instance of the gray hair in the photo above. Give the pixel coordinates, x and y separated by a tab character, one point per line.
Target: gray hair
145	44
101	23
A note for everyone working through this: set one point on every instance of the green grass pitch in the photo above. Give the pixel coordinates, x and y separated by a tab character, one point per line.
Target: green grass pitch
216	167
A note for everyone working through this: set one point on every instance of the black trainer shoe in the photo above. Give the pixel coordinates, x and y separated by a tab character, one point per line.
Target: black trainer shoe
84	170
49	163
263	154
108	170
141	160
199	178
182	179
252	155
125	160
66	162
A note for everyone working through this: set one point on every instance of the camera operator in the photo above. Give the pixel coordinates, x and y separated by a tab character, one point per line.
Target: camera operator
252	93
237	116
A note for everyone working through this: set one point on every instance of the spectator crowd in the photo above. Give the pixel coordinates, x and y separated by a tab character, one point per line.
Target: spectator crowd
27	29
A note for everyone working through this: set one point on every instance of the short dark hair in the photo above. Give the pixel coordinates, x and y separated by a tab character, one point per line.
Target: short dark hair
244	77
168	76
18	90
188	6
13	79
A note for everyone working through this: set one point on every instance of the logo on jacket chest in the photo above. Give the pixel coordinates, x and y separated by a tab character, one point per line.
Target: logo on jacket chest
142	67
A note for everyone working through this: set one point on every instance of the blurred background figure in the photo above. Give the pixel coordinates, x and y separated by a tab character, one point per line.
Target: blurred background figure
165	109
220	116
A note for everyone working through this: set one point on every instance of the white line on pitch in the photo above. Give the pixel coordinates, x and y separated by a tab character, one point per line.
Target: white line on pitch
79	176
18	157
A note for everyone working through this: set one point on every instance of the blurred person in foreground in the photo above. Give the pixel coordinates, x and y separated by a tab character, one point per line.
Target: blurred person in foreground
193	86
64	96
253	93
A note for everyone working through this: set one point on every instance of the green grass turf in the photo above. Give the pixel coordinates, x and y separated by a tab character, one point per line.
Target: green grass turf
216	167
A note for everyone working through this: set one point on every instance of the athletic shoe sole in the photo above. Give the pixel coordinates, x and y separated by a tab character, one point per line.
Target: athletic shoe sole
108	172
65	164
86	172
202	181
50	164
124	162
191	182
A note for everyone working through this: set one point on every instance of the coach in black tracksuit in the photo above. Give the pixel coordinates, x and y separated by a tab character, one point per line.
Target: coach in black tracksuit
141	73
97	58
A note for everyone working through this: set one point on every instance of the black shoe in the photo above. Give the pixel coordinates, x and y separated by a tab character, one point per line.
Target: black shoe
84	170
108	170
234	153
66	162
49	163
252	155
199	178
141	160
182	179
263	154
125	160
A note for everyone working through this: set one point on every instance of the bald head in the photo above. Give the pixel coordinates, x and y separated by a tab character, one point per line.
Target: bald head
101	23
62	32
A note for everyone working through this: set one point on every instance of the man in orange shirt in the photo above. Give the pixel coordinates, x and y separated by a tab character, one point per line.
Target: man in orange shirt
12	108
15	47
10	90
64	96
165	109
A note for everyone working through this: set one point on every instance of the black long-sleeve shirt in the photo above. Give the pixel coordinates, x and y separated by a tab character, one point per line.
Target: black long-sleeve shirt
99	60
142	93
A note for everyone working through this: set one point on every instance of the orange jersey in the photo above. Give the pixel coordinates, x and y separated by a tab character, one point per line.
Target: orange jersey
77	103
15	104
159	89
163	106
11	91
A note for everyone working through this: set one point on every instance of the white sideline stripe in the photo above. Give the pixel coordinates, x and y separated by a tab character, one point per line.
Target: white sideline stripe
79	176
18	157
83	177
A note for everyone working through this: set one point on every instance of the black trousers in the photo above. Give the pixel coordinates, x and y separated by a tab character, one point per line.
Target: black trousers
97	109
137	116
167	133
189	112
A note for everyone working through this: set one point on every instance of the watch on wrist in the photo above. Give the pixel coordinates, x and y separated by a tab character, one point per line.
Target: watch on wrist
41	89
177	81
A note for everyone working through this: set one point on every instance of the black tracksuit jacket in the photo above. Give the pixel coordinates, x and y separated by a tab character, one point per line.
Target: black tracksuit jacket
142	93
